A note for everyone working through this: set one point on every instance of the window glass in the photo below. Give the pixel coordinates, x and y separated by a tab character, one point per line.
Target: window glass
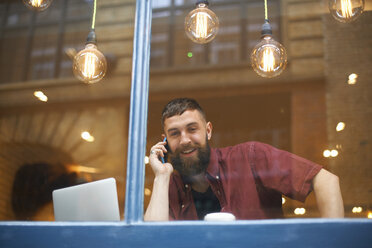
78	9
160	39
53	14
236	37
43	33
12	62
17	14
56	131
161	3
309	120
185	2
44	52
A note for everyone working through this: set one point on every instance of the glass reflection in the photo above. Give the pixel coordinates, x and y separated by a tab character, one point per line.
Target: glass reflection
48	122
246	179
300	111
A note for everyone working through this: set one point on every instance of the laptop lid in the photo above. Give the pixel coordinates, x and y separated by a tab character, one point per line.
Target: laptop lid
93	201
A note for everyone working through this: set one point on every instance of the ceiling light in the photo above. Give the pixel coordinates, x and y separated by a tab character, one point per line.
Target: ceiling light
346	10
41	96
326	153
38	5
357	210
340	126
89	65
87	136
352	79
268	57
201	24
334	153
300	211
369	216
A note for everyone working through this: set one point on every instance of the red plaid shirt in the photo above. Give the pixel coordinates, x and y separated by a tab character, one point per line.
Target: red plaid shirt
248	179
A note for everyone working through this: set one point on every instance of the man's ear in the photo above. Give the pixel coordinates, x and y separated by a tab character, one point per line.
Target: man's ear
162	136
209	130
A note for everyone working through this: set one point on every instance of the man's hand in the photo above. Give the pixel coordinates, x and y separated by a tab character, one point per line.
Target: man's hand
158	209
157	166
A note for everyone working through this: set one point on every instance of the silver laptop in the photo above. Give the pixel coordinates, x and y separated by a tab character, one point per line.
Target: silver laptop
94	201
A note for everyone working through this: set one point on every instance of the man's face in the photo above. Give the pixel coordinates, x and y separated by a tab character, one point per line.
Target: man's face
188	136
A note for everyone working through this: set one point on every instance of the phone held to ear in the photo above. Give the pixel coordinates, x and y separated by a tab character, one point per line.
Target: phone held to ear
165	158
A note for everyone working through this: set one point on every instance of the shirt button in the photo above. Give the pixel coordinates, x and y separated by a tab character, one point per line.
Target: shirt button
186	186
218	192
217	177
182	206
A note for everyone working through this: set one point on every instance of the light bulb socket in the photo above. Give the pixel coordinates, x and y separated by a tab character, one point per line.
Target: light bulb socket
202	2
266	29
92	38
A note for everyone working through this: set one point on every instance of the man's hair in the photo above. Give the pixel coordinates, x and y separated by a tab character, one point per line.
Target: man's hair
178	106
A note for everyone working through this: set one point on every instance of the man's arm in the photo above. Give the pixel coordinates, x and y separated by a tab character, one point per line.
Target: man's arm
328	195
158	208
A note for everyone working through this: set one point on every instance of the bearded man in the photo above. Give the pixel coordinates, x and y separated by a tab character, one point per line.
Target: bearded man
247	180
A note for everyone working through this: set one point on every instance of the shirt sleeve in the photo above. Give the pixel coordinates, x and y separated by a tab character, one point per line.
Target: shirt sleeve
282	171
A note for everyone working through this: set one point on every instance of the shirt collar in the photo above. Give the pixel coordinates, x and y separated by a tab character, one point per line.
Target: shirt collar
213	168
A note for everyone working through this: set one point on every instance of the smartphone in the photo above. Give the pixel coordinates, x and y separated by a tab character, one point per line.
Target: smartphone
165	158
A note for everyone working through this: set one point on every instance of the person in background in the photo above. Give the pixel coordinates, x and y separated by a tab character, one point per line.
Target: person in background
33	186
247	180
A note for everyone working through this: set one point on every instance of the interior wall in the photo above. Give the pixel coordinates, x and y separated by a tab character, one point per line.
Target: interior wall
73	107
53	136
348	50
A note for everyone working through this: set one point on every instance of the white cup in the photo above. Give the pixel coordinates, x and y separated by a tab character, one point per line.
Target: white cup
219	217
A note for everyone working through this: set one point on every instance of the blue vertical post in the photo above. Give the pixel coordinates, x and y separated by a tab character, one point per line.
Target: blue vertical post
138	113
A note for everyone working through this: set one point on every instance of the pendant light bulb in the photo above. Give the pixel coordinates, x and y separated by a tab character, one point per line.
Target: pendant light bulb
268	57
346	10
90	64
201	24
38	5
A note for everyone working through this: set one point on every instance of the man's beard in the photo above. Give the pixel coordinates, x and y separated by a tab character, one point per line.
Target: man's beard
190	166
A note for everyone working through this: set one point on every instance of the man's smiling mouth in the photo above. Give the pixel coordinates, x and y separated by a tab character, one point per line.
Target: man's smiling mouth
188	151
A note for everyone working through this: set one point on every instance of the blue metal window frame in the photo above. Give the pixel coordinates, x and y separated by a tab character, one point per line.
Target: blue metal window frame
133	232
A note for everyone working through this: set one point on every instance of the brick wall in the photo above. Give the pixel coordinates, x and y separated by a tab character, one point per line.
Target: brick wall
348	50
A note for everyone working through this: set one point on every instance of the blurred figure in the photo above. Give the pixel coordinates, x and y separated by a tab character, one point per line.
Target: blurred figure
33	186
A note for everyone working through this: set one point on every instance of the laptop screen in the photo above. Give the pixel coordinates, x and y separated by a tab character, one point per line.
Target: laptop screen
93	201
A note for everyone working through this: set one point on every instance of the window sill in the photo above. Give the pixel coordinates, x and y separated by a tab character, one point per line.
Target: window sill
257	233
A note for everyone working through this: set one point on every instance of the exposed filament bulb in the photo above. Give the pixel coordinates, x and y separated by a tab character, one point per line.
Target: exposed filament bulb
268	57
346	8
89	66
36	3
201	25
268	60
